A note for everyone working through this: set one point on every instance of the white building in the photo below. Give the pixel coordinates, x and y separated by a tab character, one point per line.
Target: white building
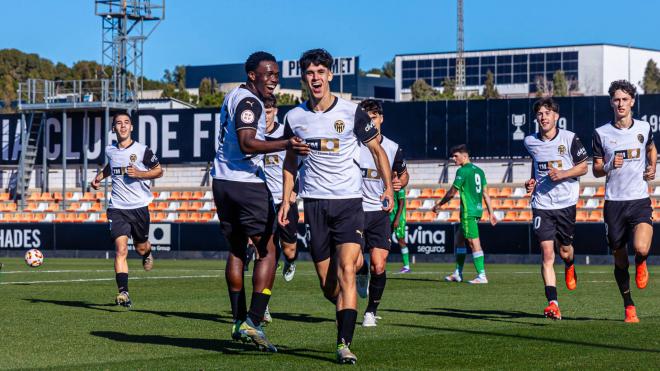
590	67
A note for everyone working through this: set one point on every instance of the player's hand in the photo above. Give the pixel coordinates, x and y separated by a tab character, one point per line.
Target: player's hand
298	146
282	214
96	183
437	207
649	173
493	219
530	184
618	161
396	182
132	172
556	175
387	200
396	224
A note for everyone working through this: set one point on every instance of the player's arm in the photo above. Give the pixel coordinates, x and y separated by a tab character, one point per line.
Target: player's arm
600	168
651	158
530	183
383	166
448	196
579	159
289	171
96	182
151	162
400	175
400	201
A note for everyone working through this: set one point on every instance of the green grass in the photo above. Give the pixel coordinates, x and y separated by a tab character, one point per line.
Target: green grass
181	320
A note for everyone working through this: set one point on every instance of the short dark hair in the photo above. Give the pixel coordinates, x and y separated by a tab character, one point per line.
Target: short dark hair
462	148
546	102
372	105
255	58
316	57
270	101
624	85
121	113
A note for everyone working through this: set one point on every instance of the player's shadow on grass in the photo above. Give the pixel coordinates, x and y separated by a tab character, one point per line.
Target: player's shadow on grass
488	315
616	347
413	279
215	345
300	317
78	304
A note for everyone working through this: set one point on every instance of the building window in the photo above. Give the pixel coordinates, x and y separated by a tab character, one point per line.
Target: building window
440	72
409	74
408	64
520	79
503	59
424	63
553	66
423	72
437	83
503	79
472	80
440	63
538	57
553	57
520	58
407	83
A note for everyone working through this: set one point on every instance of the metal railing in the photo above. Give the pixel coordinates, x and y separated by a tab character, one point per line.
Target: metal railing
46	94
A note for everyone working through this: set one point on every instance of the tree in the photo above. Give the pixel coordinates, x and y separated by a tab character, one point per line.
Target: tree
448	88
541	86
375	71
422	91
284	99
559	84
388	69
180	77
651	82
490	91
304	94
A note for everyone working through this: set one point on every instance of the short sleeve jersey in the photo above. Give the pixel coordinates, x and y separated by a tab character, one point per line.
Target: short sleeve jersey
562	152
627	182
469	182
273	164
372	184
332	168
241	110
127	192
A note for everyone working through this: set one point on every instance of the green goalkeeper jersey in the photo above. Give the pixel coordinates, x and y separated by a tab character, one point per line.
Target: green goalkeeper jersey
470	182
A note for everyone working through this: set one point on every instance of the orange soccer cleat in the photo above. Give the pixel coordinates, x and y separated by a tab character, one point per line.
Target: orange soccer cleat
642	275
552	311
570	277
631	314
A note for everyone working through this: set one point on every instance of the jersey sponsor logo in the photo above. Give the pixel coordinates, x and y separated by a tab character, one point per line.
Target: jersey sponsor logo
561	149
581	152
628	154
640	137
272	160
370	174
547	165
133	157
340	126
369	126
329	145
251	103
119	170
247	116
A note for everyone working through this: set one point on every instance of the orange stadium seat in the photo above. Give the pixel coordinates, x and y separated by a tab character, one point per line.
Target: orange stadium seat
510	216
4	196
522	203
11	207
88	196
186	195
158	216
413	204
34	196
99	196
595	216
454	217
195	217
176	195
73	207
96	207
301	217
581	216
655	203
208	216
160	205
580	203
506	192
31	206
46	196
57	196
39	217
9	217
197	195
524	216
507	204
183	206
81	217
439	193
600	192
196	205
494	203
428	216
415	216
455	203
426	193
492	192
103	218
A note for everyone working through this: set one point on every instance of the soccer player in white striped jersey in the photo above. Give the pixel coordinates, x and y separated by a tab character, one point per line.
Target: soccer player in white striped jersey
624	152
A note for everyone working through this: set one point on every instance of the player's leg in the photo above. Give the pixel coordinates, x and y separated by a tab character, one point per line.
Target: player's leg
400	233
347	259
460	250
549	279
140	234
615	216
289	242
642	237
377	283
565	226
121	271
471	234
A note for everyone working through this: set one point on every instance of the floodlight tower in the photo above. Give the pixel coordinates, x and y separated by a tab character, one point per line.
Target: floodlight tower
460	60
126	24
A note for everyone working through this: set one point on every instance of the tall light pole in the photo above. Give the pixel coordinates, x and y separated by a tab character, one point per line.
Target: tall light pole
460	61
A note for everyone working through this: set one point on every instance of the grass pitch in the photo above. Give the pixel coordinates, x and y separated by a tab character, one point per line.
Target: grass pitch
62	315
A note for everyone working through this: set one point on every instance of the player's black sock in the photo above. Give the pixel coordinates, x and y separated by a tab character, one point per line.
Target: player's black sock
639	259
238	306
258	307
623	281
551	293
376	288
122	281
345	326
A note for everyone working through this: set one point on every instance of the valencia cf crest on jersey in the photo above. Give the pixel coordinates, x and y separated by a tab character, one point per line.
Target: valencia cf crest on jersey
640	137
339	126
133	157
561	149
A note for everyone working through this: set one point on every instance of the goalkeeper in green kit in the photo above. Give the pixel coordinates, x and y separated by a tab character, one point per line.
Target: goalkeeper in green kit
470	183
398	220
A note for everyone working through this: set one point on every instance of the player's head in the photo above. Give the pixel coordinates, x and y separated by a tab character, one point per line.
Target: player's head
263	73
374	109
459	154
270	105
547	113
622	98
316	72
122	125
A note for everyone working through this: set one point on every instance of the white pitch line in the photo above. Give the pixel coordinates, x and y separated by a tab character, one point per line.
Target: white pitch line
104	271
107	279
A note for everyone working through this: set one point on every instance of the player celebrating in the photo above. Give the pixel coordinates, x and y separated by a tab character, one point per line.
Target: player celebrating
273	163
398	220
131	165
558	159
331	187
470	182
377	228
243	202
624	152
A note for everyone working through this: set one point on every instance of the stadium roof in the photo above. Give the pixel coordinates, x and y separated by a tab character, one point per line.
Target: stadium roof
529	47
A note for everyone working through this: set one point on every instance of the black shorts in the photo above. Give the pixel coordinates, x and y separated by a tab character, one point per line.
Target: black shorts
555	225
377	230
289	233
129	222
332	223
245	208
622	216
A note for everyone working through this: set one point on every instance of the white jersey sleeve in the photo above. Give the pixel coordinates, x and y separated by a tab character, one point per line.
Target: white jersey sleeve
127	192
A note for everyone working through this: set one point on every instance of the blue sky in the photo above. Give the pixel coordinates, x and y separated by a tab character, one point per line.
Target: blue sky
197	32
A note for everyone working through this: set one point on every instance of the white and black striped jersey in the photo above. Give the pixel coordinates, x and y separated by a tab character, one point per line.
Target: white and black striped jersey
626	182
241	110
372	184
273	164
127	192
562	152
332	169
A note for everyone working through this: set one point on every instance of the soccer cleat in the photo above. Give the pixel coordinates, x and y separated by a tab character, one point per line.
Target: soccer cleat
148	261
631	314
289	271
369	320
345	356
267	318
236	333
363	285
405	270
552	311
123	299
256	333
479	280
571	277
641	275
454	277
